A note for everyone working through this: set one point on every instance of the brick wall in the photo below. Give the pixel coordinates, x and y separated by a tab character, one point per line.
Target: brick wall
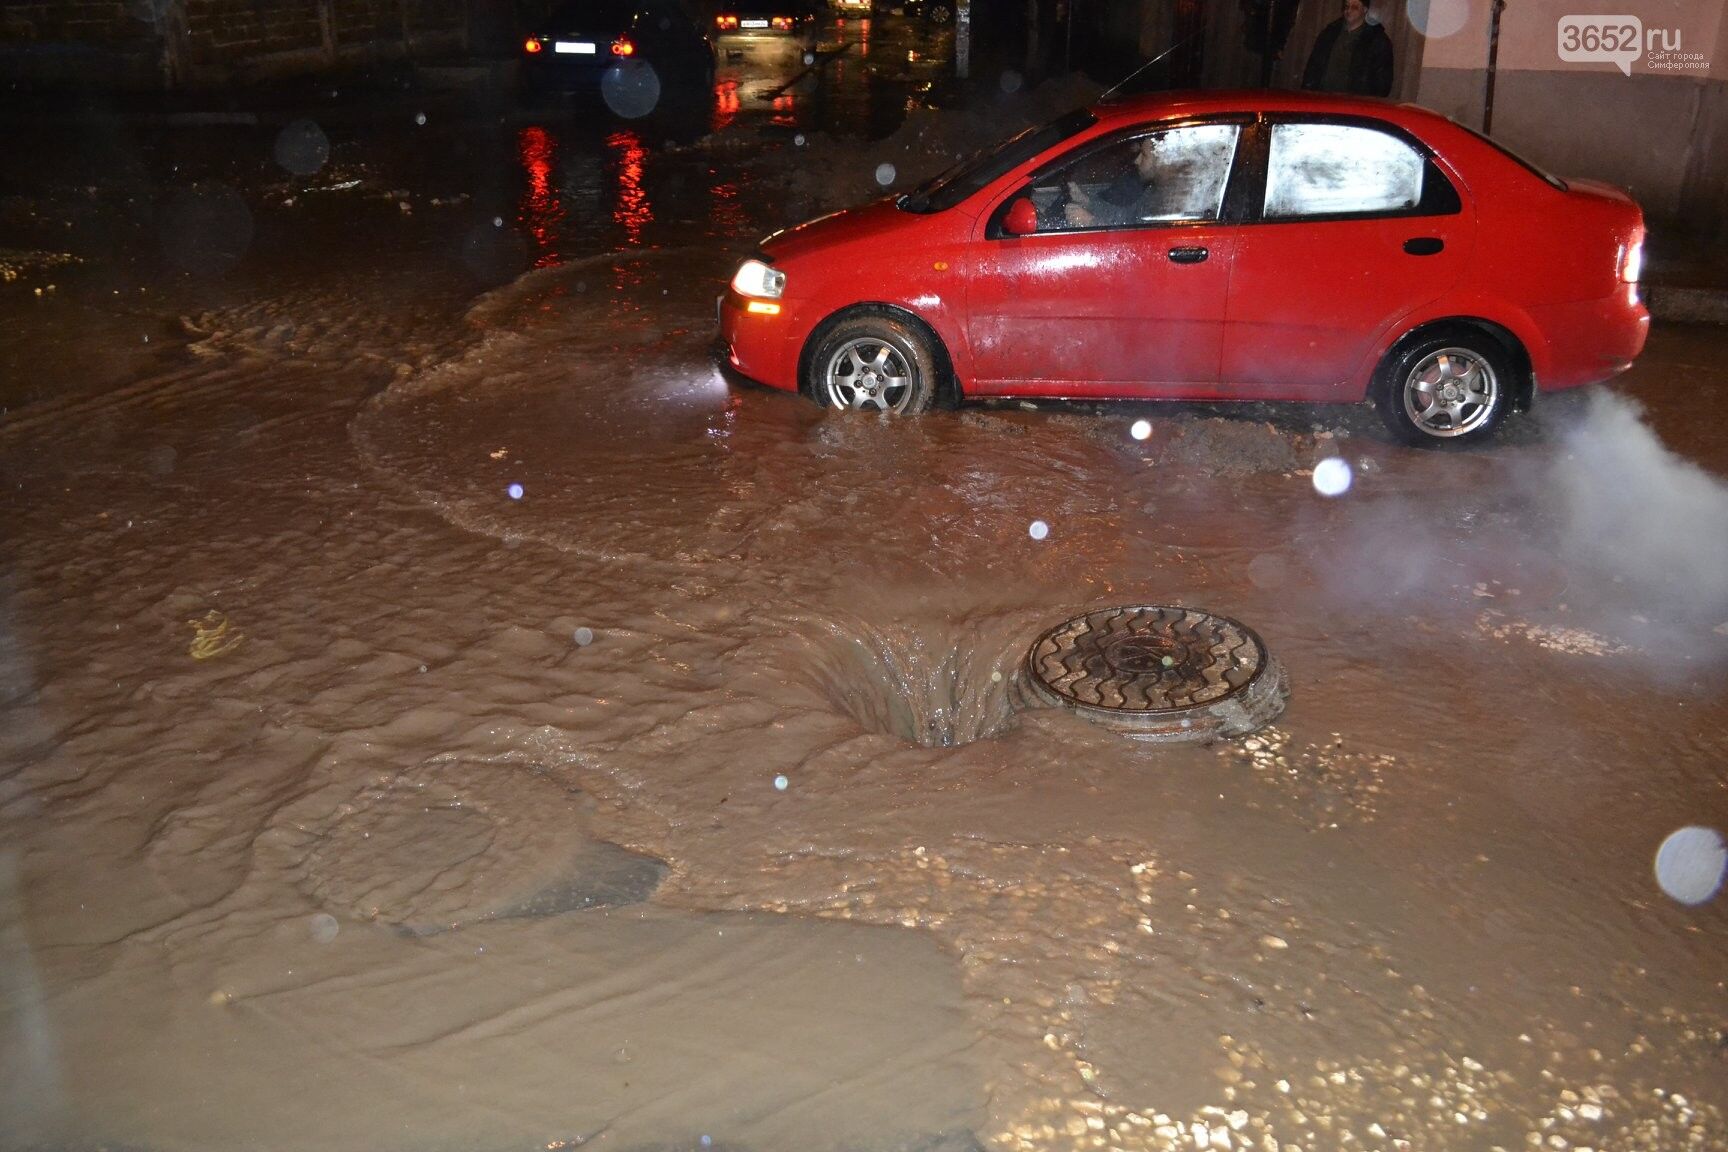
86	42
98	21
244	29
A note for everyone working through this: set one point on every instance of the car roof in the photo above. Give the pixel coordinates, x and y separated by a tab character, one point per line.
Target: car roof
1126	109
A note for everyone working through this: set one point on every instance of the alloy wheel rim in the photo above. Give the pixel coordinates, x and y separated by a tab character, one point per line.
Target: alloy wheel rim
868	373
1453	391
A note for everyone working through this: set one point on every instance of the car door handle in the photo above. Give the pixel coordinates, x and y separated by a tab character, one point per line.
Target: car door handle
1188	255
1424	245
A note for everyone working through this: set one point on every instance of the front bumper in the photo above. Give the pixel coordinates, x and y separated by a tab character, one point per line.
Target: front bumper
764	348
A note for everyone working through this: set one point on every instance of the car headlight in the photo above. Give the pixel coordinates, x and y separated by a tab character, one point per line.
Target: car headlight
755	278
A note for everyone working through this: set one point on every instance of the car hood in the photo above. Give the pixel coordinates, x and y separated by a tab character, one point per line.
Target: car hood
876	221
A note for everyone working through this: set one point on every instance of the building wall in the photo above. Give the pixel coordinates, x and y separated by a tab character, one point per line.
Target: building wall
1661	132
130	43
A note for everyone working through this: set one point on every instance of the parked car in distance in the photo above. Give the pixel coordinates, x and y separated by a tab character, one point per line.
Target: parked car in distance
1210	246
766	20
935	11
854	7
583	42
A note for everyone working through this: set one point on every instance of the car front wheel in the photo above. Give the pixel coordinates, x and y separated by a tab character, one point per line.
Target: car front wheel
872	363
1448	390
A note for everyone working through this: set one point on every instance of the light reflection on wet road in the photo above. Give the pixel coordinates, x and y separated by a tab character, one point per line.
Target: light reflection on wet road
857	81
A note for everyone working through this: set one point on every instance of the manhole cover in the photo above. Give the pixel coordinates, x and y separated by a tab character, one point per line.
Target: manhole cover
1158	673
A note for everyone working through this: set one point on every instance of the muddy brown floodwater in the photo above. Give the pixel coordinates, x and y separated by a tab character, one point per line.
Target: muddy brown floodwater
450	716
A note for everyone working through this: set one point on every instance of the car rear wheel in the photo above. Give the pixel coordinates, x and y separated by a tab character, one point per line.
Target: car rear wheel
873	363
1447	390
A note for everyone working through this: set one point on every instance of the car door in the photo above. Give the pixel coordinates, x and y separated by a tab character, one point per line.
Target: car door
1129	304
1356	226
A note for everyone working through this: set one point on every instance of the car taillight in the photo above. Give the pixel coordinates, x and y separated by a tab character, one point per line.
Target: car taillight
782	23
1632	260
623	47
725	23
531	46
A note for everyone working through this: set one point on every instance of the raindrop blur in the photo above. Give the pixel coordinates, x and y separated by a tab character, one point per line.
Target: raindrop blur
631	89
809	57
884	174
780	783
1038	530
419	117
1141	429
1010	81
515	491
798	140
324	927
1690	864
302	148
497	221
1332	476
584	637
1437	19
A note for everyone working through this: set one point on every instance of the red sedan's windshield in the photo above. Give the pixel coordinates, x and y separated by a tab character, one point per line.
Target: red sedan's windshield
973	173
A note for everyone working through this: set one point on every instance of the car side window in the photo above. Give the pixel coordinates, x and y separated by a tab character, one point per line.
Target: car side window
1340	170
1176	175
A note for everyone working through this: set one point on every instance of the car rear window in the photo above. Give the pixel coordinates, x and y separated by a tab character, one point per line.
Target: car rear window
1514	157
968	176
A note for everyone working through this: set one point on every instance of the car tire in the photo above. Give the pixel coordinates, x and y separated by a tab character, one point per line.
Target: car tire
873	362
939	13
1447	389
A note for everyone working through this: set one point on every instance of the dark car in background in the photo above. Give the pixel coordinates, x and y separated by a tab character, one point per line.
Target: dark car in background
935	11
585	44
766	20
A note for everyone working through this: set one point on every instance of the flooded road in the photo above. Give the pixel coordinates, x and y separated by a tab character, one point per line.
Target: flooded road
442	710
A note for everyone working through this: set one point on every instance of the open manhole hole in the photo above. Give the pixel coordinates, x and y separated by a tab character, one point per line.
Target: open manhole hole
1158	673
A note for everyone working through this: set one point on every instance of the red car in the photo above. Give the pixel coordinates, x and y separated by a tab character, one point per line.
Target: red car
1210	246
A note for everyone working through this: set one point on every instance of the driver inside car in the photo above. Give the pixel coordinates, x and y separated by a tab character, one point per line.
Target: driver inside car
1131	196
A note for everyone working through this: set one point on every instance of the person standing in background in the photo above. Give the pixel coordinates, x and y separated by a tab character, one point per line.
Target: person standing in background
1352	54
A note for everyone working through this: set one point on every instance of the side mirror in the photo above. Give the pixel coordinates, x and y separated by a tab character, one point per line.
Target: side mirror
1022	218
